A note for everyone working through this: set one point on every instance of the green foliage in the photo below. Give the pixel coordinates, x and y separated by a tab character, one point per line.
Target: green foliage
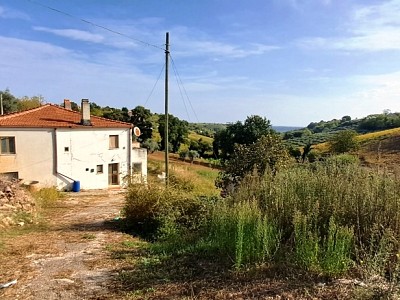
141	117
267	153
150	145
26	103
183	154
337	248
243	233
307	242
155	211
10	103
200	146
177	131
206	129
193	154
331	255
253	128
383	121
344	141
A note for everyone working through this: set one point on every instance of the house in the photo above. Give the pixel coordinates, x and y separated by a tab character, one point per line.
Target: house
60	147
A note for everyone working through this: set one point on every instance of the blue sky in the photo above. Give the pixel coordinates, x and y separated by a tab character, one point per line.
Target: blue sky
292	61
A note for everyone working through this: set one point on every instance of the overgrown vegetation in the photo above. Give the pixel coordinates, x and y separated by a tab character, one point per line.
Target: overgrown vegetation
331	218
47	197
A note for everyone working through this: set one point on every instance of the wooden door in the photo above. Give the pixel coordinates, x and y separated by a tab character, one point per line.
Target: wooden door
113	174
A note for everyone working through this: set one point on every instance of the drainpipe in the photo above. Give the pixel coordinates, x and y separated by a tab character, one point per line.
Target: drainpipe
130	154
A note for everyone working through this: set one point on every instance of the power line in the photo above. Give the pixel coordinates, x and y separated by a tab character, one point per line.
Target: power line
180	91
183	87
155	84
94	24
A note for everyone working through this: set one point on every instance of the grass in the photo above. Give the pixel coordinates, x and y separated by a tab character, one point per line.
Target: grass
197	179
378	134
194	136
47	197
362	138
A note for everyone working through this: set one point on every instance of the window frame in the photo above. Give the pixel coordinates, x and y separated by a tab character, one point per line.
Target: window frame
113	141
99	171
137	167
10	150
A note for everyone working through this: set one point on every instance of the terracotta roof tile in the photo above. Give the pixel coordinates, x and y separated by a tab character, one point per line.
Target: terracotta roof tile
53	116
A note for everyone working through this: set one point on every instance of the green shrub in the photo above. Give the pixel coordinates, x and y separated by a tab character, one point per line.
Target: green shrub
157	212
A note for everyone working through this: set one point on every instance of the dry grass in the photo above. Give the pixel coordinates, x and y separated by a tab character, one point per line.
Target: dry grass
195	136
200	176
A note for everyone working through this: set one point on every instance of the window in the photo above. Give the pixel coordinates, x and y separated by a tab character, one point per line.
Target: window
99	169
7	145
137	168
10	175
66	149
114	142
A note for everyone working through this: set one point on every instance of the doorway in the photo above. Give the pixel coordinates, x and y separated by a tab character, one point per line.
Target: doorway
113	174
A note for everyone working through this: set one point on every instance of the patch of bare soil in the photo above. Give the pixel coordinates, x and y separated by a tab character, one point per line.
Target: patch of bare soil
66	260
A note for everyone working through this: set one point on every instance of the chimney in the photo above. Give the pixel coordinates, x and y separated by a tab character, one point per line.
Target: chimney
67	104
85	109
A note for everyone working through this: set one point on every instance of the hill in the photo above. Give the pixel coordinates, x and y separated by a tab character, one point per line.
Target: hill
322	131
381	148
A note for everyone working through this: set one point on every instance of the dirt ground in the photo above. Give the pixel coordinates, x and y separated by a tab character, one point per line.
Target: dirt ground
66	259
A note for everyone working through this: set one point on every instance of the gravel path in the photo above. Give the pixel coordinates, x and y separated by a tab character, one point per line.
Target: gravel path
67	260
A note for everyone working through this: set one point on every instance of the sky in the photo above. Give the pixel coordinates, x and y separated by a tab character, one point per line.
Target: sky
291	61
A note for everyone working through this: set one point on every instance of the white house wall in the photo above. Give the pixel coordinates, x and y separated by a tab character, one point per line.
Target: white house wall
34	158
139	155
80	151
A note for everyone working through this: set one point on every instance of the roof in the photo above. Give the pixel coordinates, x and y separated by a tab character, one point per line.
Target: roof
54	116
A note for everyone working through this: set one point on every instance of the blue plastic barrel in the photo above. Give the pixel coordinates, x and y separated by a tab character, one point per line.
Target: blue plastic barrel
76	186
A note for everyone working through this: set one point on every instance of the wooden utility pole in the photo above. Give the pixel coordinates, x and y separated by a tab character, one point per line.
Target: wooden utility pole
166	108
1	104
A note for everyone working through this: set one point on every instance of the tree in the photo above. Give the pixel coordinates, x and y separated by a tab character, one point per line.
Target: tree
240	133
26	102
141	117
150	145
268	153
193	154
177	131
344	141
10	103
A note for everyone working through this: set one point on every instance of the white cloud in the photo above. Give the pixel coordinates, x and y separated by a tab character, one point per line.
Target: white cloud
74	34
7	13
371	28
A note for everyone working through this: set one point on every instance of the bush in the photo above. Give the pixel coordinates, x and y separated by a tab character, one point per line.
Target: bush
344	141
155	211
46	197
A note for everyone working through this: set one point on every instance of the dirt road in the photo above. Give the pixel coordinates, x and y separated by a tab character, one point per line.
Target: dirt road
67	259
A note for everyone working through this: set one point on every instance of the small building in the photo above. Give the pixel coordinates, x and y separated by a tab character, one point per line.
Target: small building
57	146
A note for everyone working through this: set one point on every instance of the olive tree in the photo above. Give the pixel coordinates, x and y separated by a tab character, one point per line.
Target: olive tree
344	141
267	154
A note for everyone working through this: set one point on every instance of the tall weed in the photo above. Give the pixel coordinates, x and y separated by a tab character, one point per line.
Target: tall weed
243	233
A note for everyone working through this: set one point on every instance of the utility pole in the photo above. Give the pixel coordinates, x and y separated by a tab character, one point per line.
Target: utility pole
166	108
1	104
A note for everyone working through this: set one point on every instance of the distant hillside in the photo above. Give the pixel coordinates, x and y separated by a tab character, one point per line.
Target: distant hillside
285	128
320	132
